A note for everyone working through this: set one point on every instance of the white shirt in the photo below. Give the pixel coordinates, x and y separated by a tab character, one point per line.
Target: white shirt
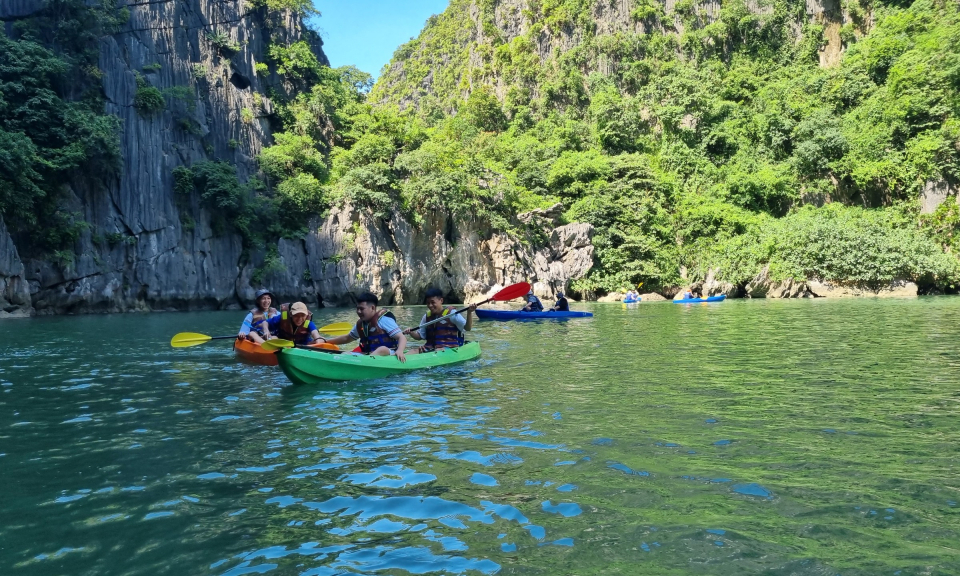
387	324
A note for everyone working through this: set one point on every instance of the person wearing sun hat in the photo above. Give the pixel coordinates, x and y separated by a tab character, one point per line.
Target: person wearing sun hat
254	325
294	323
533	303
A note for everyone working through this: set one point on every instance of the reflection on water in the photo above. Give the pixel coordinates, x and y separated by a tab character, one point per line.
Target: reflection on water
802	438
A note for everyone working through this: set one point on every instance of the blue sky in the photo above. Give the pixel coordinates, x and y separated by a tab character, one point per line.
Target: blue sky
365	33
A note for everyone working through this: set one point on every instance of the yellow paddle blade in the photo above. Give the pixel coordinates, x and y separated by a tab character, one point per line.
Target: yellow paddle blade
338	329
277	344
188	339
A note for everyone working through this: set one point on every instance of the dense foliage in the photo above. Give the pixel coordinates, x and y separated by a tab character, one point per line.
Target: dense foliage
52	124
699	143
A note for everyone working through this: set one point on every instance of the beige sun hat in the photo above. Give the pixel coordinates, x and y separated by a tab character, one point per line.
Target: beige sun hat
299	308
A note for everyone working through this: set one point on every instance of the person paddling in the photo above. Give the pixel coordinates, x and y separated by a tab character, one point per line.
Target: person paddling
445	334
254	327
378	331
293	323
686	295
562	305
533	303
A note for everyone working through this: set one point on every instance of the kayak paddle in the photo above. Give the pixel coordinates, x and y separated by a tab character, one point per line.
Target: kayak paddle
509	293
338	329
190	339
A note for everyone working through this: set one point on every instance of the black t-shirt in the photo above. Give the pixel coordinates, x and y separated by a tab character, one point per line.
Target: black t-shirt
562	305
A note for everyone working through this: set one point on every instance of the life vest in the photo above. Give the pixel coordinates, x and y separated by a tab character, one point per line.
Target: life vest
372	336
442	334
259	317
289	331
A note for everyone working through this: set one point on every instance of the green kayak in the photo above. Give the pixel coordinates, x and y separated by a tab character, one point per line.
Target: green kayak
309	367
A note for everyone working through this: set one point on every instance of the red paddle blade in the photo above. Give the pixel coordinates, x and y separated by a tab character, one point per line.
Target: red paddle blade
512	292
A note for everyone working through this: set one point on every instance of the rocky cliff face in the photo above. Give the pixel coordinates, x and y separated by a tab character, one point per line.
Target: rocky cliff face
144	251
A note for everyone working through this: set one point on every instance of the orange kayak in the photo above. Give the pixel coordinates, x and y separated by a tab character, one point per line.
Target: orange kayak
251	352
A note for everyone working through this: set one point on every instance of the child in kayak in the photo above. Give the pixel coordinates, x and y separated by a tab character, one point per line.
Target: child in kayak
377	330
254	325
533	303
293	323
445	334
562	305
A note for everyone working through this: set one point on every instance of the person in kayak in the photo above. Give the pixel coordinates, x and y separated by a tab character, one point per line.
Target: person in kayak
562	305
686	294
254	327
445	334
378	331
533	303
293	323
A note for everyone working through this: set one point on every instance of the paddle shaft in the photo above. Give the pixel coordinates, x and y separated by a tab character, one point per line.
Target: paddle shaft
442	318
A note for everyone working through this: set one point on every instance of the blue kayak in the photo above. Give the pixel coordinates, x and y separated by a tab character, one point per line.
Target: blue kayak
698	300
632	301
518	315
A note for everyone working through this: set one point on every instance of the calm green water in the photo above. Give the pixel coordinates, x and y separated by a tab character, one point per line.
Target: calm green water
788	438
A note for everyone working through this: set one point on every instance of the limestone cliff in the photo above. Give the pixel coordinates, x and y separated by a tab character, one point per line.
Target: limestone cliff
144	251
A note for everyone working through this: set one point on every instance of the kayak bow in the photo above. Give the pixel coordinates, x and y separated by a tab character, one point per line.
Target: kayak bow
308	367
699	300
518	315
252	353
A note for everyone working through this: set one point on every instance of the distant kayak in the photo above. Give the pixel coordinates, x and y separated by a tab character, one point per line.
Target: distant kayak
518	315
309	367
699	300
632	301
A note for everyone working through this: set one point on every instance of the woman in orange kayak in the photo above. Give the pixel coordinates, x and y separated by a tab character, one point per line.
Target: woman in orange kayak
254	325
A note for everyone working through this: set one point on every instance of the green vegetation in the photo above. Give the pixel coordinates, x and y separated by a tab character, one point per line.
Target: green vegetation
149	100
706	149
223	43
301	7
52	125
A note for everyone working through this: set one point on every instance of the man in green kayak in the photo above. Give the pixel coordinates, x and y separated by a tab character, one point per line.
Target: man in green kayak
378	331
254	325
445	334
293	323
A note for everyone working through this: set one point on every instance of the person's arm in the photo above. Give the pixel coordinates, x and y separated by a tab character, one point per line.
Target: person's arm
469	325
415	332
401	346
246	326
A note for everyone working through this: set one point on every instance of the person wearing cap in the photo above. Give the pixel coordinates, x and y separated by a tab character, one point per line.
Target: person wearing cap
562	305
685	294
378	331
254	325
533	303
448	333
294	323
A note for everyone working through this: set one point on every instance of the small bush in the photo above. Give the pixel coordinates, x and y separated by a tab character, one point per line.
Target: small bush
222	42
148	100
